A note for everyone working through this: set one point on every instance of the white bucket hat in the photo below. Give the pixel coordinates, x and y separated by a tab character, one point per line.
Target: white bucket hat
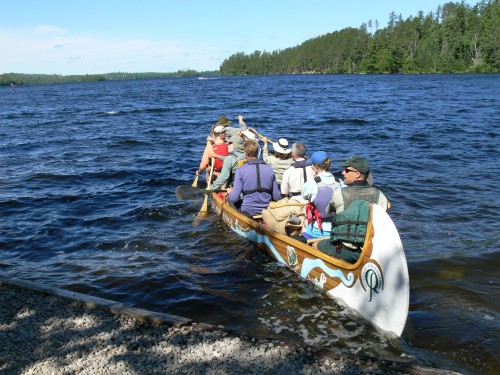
249	134
282	146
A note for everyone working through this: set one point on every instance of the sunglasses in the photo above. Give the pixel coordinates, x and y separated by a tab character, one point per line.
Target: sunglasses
347	170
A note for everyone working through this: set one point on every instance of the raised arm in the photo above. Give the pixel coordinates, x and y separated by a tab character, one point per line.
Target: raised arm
243	125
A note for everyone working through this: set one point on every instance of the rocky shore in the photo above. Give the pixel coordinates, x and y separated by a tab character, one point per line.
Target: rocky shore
49	331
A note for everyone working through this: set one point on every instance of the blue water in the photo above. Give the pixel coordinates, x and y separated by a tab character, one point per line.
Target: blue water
87	198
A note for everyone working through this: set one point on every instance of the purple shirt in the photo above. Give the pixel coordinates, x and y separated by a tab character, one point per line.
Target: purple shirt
245	181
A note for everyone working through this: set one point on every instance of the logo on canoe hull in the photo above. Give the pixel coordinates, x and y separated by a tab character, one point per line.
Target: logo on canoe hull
371	279
292	256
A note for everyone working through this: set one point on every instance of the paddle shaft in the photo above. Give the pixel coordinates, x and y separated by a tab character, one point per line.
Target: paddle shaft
262	137
280	204
204	207
195	182
313	240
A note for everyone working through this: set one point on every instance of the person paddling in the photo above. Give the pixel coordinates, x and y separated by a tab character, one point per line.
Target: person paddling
230	165
230	131
281	160
297	174
254	183
216	148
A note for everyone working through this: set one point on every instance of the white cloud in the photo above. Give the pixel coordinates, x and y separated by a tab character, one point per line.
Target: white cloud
49	49
45	30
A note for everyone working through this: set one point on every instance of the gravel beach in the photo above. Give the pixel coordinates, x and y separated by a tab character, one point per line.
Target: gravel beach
53	331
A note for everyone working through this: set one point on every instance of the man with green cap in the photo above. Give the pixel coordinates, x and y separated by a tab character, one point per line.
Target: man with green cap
356	172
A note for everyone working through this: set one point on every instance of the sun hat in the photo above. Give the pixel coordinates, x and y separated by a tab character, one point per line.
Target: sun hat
357	162
249	134
219	129
318	157
223	120
237	141
282	146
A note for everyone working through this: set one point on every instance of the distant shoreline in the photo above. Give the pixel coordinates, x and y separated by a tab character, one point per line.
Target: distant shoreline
18	79
21	79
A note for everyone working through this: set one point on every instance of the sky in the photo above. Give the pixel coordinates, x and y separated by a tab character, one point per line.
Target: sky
103	36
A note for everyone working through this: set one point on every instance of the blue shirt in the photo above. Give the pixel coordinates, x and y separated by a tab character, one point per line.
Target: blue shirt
309	191
245	181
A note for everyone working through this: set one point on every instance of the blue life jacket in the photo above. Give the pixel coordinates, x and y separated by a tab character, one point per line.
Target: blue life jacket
259	188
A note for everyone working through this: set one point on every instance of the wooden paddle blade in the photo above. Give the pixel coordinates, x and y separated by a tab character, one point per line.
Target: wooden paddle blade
195	182
204	206
200	218
187	192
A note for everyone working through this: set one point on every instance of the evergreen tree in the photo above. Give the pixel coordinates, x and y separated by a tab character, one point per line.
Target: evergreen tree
454	38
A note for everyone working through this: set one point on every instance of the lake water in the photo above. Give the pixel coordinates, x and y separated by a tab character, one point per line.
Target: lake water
87	201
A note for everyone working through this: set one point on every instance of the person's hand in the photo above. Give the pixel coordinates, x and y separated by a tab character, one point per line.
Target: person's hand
210	139
229	190
197	172
240	118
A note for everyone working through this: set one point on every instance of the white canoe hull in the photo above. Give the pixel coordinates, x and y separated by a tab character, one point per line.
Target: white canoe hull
377	285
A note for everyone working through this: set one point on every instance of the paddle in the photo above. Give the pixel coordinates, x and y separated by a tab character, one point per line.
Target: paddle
286	204
195	182
313	240
204	206
187	192
259	135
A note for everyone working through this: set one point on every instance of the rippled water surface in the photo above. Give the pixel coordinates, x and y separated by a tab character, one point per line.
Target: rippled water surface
88	174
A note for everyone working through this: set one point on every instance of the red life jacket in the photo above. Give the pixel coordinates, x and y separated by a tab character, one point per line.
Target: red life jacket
220	149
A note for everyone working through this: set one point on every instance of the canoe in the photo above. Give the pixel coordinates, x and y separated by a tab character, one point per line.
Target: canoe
376	286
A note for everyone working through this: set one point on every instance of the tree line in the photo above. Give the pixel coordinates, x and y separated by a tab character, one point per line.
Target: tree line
456	38
14	79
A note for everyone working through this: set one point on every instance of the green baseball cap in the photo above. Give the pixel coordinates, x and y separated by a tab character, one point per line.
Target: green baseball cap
357	162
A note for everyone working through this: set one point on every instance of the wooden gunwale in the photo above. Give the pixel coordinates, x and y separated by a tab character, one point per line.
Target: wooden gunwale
366	251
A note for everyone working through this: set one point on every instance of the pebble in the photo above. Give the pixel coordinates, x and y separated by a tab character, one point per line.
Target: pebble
46	334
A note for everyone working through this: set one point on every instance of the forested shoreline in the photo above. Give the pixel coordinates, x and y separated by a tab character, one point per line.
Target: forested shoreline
15	79
456	38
